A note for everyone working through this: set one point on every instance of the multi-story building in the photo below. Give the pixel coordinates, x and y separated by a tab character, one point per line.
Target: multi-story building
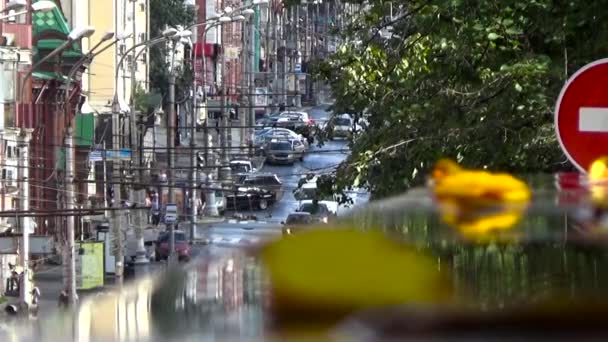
226	39
107	77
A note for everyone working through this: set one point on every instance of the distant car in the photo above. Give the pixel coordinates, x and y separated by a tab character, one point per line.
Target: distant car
267	121
263	180
241	166
342	126
264	136
307	191
298	122
182	246
284	151
322	212
246	198
296	222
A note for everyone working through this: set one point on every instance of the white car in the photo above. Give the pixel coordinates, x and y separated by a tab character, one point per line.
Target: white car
342	126
242	166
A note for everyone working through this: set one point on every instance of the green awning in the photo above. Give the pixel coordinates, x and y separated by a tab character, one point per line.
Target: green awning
46	75
85	129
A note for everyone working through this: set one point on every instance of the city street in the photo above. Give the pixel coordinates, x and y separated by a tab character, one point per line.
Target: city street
234	233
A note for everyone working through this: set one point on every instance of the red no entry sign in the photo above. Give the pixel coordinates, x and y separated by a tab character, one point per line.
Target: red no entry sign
581	115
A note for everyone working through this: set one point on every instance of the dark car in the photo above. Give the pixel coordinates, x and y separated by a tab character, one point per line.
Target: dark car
249	199
296	222
182	246
262	180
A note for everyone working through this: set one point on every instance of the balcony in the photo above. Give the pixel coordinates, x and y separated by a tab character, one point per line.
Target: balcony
19	35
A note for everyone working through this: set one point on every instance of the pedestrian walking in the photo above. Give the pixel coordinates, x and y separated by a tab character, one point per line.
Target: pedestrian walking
155	210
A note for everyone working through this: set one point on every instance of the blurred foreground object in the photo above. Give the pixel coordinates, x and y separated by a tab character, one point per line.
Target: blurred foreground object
323	275
478	202
598	182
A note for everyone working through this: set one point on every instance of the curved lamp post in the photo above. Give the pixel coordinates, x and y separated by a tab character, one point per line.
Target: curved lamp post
167	34
75	34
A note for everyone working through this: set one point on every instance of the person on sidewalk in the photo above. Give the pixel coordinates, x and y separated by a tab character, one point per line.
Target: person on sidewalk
155	210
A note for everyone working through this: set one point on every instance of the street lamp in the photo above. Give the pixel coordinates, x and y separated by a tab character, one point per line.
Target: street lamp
40	6
69	257
74	35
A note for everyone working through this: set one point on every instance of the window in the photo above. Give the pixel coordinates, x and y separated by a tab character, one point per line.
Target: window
142	7
142	37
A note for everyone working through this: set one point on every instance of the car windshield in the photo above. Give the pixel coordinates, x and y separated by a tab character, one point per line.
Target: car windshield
343	122
239	167
298	219
282	146
179	236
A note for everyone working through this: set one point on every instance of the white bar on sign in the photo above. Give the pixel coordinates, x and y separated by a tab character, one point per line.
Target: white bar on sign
593	119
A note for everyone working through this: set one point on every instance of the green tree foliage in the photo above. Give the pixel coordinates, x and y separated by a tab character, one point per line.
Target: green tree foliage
473	80
163	14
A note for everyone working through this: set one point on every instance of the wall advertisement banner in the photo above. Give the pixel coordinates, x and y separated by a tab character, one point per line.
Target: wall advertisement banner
89	265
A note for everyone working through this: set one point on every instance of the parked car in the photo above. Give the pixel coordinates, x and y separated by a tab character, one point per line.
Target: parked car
296	222
284	151
220	200
265	135
242	166
298	122
263	180
249	198
182	246
267	121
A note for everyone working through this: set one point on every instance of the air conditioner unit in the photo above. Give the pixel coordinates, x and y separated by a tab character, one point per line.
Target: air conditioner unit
8	39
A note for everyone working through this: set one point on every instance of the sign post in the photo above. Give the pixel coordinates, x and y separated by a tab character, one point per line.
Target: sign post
581	115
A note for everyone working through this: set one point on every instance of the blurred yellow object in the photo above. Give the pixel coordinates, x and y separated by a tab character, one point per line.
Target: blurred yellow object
478	202
598	182
334	272
477	188
481	224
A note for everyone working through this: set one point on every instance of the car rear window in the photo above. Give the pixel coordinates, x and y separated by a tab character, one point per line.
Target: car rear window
298	219
280	146
343	122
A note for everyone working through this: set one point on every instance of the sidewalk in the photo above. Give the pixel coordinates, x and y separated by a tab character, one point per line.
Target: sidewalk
50	280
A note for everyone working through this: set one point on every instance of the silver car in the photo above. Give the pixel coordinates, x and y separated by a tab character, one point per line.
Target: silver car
284	151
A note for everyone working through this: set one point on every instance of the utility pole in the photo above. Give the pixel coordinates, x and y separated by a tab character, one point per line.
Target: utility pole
252	63
170	148
224	173
275	60
137	191
210	205
69	252
297	58
24	221
245	97
306	55
116	179
193	164
284	61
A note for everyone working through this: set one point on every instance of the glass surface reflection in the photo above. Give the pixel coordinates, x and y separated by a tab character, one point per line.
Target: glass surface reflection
551	255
